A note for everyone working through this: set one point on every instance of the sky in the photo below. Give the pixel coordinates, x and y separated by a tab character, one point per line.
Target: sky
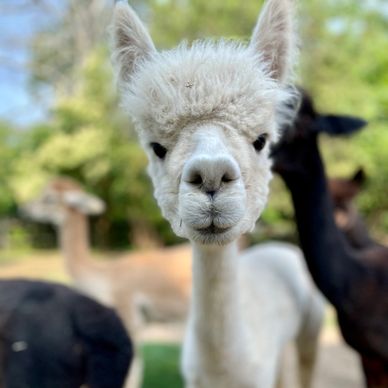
19	20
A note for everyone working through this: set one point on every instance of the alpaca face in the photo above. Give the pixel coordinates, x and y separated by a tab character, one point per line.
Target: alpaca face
212	183
58	198
205	115
343	192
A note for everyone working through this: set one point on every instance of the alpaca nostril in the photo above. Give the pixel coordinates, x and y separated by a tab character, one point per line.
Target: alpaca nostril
211	193
196	179
226	178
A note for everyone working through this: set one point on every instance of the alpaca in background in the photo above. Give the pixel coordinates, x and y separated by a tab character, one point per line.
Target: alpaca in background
205	114
356	287
149	287
141	287
343	191
51	336
348	218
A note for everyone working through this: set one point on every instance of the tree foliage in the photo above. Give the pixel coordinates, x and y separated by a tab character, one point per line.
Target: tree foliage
344	63
8	153
91	141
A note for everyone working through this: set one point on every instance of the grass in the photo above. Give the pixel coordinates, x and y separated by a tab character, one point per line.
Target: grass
43	265
12	256
162	366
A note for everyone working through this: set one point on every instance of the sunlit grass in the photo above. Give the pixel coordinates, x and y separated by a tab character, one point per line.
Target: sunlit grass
162	366
33	264
11	256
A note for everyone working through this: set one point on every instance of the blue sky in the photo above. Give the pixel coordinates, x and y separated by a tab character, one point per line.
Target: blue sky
18	22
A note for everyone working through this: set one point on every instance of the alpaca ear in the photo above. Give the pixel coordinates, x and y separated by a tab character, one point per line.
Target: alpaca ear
131	41
359	177
273	37
84	202
339	125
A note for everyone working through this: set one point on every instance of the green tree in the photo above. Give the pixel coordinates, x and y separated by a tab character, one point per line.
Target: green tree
92	142
174	20
8	154
343	63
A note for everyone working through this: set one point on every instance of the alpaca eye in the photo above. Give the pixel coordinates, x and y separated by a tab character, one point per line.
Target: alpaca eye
260	142
159	150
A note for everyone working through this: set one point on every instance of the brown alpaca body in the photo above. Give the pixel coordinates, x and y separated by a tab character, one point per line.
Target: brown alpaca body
343	192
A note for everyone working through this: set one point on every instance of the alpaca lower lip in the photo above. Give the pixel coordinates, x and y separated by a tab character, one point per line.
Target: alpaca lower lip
212	229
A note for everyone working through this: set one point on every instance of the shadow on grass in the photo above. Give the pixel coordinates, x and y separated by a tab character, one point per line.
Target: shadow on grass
162	368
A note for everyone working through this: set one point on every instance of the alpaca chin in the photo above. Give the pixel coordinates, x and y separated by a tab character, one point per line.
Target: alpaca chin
214	236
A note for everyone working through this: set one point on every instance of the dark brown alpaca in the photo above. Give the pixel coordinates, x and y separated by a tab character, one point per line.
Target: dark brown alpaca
354	284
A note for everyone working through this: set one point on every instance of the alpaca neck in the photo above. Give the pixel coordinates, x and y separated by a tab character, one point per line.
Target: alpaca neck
74	242
325	249
358	236
215	309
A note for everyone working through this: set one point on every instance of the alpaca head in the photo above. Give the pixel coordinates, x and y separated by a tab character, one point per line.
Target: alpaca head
343	191
298	144
205	115
58	198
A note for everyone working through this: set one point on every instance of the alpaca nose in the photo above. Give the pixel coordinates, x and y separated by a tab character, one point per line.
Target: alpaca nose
209	173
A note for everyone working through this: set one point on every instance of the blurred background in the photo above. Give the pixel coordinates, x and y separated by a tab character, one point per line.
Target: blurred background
60	115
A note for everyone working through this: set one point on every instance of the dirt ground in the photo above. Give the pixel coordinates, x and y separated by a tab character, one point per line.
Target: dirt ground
338	365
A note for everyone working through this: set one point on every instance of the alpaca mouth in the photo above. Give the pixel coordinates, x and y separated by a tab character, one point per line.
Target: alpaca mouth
212	229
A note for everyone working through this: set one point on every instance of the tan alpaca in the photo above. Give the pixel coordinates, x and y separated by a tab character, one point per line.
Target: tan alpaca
146	286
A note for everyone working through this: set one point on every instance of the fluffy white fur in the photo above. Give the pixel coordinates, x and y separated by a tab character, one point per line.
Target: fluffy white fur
206	104
245	308
170	93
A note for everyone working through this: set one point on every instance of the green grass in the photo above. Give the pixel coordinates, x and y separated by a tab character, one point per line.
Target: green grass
162	366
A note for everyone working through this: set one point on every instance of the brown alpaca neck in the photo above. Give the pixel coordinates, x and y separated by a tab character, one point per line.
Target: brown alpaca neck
74	241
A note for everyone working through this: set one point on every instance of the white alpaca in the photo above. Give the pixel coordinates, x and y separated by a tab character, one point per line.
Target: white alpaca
205	115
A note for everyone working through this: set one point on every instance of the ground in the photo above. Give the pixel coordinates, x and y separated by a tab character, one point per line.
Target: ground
338	365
